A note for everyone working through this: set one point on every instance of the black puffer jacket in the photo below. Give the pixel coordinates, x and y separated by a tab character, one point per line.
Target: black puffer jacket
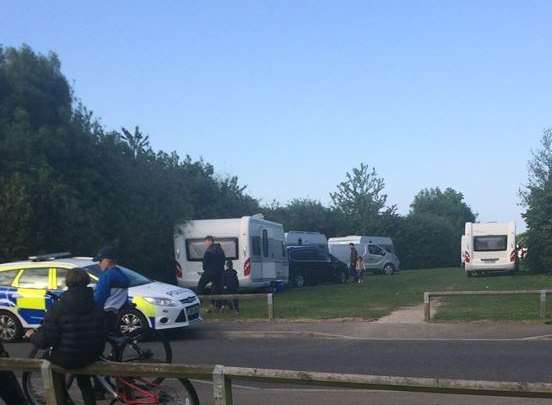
214	260
75	328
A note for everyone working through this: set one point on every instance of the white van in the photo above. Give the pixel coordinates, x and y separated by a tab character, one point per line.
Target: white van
378	252
490	247
255	245
304	238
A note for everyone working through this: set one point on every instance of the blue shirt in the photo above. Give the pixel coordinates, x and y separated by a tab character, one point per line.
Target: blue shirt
111	291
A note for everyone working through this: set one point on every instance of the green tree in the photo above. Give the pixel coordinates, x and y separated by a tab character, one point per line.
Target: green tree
448	204
537	199
304	214
425	240
361	200
67	183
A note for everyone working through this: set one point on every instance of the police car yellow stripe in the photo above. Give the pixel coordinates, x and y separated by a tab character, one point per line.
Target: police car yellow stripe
145	307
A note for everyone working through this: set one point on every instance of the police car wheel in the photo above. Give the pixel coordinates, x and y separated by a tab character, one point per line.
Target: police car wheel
10	327
131	321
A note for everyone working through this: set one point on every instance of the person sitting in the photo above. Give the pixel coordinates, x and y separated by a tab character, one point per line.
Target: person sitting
75	329
232	285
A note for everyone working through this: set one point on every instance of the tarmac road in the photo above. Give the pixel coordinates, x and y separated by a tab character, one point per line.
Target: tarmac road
509	360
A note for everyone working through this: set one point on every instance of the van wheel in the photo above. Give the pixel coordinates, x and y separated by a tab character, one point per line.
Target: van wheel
10	327
388	269
298	281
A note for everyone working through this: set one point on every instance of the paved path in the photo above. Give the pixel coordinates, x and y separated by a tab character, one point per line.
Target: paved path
365	330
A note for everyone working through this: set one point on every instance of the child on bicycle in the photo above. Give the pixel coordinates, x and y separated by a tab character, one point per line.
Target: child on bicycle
75	331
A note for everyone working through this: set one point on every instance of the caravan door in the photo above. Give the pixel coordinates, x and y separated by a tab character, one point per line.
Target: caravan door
268	260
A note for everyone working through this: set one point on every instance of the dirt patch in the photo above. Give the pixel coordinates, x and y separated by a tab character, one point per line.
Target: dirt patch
413	314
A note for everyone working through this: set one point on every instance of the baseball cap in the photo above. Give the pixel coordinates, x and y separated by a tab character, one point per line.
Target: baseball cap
106	252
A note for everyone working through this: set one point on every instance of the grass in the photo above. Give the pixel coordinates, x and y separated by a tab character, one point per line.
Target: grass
379	295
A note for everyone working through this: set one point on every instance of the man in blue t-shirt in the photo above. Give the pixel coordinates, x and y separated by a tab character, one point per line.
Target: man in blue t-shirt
111	292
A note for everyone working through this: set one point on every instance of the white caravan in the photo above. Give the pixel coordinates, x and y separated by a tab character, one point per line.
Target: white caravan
302	238
378	252
255	246
490	247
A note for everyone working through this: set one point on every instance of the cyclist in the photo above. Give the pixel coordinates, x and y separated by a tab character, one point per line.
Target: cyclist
75	330
111	292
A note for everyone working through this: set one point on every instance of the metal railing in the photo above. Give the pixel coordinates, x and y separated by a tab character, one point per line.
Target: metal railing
222	378
245	297
430	294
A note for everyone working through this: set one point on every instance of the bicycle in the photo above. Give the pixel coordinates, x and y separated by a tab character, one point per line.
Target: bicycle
141	347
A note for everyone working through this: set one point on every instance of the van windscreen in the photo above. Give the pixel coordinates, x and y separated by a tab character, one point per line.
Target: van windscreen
490	243
195	248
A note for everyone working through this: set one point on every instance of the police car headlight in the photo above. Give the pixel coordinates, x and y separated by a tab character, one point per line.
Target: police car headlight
163	302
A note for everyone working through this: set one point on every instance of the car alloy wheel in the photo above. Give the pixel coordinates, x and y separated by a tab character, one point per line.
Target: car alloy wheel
388	269
10	328
131	322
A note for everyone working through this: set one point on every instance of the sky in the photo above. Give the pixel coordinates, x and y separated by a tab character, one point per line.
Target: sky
290	95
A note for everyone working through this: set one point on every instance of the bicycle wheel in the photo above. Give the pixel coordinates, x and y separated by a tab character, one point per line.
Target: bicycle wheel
172	391
33	385
147	348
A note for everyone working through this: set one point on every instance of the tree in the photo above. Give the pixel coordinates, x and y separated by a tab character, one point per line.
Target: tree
425	240
537	198
448	204
361	200
304	214
67	183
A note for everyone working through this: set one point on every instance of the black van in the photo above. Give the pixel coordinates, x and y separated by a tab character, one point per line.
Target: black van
310	265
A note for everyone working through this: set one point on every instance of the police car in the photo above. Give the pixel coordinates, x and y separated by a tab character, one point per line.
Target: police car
28	288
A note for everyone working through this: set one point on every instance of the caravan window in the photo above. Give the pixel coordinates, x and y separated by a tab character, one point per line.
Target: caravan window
256	245
195	248
491	243
265	243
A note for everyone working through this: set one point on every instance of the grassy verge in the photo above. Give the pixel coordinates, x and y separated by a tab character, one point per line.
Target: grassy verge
379	295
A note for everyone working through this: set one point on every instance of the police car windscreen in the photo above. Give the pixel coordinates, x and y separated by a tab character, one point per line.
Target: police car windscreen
135	279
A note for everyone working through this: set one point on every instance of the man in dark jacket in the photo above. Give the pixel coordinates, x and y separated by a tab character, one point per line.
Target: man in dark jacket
75	329
213	267
353	261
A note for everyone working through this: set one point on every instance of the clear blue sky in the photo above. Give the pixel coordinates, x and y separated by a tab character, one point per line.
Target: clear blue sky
289	95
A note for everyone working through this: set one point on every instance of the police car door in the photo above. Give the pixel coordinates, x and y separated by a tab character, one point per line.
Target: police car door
32	288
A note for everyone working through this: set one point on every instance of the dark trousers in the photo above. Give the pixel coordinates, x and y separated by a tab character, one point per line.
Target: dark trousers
10	391
85	385
352	272
217	285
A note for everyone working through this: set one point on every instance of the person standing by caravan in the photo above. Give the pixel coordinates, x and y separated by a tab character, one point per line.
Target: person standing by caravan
213	267
353	261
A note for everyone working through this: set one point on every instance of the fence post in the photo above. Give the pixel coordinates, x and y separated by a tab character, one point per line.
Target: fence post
427	307
222	387
542	305
51	388
270	304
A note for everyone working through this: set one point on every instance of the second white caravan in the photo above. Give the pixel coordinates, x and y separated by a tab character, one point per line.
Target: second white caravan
255	246
489	247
